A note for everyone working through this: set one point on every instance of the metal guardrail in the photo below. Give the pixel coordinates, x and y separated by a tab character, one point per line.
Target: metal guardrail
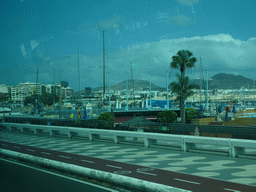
241	132
235	146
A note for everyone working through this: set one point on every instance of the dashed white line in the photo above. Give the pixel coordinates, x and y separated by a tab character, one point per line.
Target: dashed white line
46	153
231	190
187	181
87	161
16	147
114	166
4	145
64	156
30	150
147	173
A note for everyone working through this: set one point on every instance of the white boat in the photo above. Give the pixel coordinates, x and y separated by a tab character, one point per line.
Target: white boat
7	111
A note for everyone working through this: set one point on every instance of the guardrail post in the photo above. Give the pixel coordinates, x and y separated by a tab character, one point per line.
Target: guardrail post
9	127
51	132
93	136
21	130
35	131
183	145
146	142
230	149
69	134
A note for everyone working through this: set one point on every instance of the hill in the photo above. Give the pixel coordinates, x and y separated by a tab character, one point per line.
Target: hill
218	81
226	81
140	85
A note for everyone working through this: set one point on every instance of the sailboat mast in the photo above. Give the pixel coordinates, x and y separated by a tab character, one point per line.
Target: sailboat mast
78	74
133	87
53	86
200	80
103	65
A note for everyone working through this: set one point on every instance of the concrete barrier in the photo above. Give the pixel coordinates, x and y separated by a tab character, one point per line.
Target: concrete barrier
101	175
235	146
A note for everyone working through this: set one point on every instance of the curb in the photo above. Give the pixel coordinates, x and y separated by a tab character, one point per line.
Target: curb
101	175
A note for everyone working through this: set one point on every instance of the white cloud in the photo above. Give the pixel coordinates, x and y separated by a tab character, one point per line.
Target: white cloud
33	44
23	50
221	53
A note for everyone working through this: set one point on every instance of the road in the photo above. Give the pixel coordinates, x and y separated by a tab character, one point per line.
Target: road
16	177
219	168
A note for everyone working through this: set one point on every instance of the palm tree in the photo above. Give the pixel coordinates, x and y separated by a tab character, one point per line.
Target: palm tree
182	61
176	87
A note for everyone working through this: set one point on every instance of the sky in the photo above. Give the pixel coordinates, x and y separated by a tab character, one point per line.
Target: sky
138	34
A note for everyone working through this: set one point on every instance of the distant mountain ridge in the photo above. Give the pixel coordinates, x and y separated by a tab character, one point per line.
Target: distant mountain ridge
138	85
218	81
226	81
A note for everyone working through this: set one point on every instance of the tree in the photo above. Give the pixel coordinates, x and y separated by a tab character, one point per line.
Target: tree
107	118
47	98
30	100
190	113
5	97
167	116
176	87
181	61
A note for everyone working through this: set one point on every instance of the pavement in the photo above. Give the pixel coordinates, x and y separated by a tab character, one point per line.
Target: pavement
214	166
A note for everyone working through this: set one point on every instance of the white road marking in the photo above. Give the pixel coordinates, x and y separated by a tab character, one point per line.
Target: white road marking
187	181
46	153
114	166
147	173
87	161
64	156
31	150
231	190
5	145
16	147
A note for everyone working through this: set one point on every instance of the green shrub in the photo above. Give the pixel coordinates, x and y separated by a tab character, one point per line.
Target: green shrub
167	116
190	113
106	119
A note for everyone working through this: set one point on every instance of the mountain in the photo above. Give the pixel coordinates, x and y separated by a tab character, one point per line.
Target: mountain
218	81
138	85
226	81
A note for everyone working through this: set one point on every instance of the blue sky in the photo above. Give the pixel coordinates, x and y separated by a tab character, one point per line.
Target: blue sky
46	34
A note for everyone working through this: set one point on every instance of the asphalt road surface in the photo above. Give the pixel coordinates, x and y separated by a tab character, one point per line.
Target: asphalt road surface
16	177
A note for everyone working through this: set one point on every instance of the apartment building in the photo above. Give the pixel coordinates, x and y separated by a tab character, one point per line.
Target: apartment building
23	90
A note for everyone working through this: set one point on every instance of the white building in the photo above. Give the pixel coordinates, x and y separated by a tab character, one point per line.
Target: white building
23	90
